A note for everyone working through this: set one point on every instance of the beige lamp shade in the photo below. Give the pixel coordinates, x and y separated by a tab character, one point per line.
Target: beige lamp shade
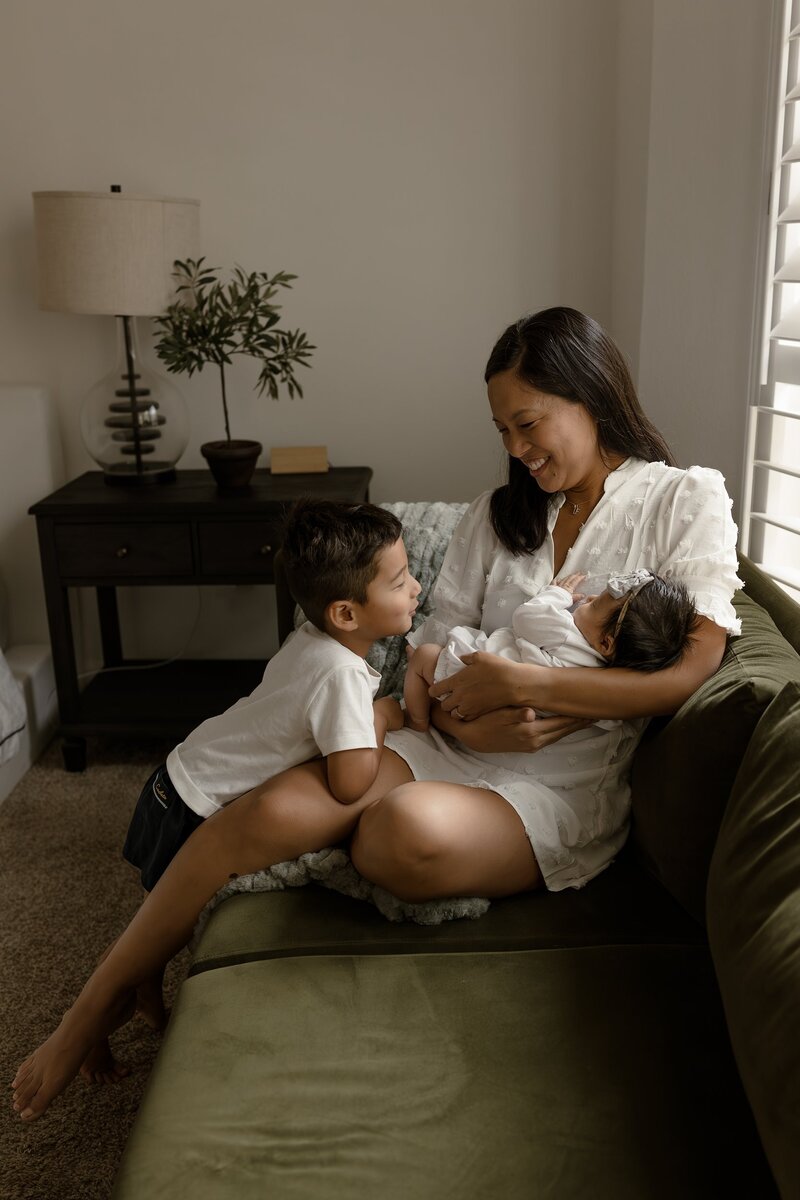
110	252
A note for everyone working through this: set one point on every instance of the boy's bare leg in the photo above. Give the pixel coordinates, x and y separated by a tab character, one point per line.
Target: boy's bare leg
100	1065
292	814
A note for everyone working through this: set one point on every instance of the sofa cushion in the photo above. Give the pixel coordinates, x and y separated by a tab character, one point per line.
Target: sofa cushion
598	1072
624	906
685	767
754	929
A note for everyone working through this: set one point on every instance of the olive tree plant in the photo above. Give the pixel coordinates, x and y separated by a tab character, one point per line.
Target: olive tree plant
211	321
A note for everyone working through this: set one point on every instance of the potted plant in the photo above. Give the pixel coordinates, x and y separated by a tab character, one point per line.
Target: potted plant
209	323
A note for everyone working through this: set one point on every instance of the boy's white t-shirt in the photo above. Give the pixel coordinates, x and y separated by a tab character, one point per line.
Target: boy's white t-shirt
315	699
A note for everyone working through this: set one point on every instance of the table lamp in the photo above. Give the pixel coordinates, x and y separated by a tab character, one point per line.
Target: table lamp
110	253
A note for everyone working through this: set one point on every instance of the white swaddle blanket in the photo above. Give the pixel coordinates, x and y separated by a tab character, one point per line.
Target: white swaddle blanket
12	712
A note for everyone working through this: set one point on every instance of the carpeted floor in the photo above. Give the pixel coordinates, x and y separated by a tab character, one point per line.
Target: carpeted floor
65	892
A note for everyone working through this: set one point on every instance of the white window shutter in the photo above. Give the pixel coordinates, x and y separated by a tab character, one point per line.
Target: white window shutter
770	531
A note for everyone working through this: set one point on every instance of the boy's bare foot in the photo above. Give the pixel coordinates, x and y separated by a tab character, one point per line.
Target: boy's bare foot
150	1003
100	1066
55	1063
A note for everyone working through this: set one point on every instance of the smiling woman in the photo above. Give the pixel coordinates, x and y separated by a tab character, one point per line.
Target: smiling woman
592	490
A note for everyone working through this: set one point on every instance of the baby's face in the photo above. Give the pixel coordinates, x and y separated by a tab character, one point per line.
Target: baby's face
592	617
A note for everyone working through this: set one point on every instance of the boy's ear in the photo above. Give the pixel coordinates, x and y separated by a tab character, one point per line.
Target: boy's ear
341	615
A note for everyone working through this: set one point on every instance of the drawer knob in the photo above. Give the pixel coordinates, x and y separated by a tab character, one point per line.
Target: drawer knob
265	550
122	552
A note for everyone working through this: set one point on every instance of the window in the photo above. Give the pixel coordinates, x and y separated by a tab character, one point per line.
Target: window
770	532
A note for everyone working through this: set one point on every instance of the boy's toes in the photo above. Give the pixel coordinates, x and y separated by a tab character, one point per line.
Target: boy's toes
100	1066
23	1071
26	1101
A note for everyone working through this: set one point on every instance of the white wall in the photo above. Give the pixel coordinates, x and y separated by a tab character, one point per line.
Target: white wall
430	170
706	193
423	167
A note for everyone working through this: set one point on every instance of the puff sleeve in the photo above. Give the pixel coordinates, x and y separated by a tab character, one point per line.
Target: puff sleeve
459	589
696	543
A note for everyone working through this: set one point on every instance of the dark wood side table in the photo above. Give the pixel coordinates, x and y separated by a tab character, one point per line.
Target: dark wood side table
186	532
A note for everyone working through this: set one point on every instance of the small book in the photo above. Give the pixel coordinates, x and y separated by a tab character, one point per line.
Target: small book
298	460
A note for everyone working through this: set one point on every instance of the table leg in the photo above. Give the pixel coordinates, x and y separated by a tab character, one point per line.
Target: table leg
109	626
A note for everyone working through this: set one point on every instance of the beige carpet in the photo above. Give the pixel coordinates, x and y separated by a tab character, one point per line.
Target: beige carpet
65	892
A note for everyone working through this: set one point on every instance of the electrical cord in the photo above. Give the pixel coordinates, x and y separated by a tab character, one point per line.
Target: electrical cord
164	662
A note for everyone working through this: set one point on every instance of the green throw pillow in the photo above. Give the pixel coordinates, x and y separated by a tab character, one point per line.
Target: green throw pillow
754	930
684	769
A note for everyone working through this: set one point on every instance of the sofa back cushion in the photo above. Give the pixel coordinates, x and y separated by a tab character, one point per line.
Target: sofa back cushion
754	929
684	769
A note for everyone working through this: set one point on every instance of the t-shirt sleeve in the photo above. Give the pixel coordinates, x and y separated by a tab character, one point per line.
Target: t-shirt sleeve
697	544
458	592
340	714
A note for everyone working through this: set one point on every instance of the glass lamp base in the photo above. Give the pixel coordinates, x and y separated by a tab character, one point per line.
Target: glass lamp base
126	475
134	421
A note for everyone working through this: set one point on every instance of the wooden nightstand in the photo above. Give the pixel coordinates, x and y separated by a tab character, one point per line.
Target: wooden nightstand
186	532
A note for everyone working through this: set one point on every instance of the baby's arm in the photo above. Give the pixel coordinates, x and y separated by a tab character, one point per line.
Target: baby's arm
544	626
419	677
351	773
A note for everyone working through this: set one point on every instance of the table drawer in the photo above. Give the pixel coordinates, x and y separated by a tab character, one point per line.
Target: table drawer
238	548
124	551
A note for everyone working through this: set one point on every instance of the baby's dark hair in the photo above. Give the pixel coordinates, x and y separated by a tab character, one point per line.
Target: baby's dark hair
656	629
330	552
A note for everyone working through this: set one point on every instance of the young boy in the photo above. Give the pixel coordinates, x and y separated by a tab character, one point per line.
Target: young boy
640	621
347	568
316	696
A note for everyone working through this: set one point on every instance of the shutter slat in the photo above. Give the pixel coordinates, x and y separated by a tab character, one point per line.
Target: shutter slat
790	271
786	364
790	213
788	327
768	519
766	465
776	412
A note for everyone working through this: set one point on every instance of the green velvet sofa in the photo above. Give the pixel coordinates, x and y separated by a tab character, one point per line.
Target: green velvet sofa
635	1040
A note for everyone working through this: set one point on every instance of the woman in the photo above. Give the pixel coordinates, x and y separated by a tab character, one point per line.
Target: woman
588	482
592	488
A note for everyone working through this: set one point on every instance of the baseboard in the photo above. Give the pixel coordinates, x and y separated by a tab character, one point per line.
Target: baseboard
32	666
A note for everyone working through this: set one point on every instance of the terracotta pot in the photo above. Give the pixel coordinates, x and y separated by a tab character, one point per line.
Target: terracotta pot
231	463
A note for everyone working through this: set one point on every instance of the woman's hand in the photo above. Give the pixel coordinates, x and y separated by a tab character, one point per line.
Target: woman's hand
506	729
486	683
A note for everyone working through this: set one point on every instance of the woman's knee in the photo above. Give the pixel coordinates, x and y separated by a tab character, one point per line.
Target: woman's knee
401	842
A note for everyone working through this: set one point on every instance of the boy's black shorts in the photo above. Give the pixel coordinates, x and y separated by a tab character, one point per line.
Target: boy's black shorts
160	824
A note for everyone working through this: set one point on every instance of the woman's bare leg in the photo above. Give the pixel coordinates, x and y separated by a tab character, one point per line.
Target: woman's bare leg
290	815
428	840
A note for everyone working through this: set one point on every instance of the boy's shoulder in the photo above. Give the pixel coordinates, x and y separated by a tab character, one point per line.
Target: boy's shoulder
312	653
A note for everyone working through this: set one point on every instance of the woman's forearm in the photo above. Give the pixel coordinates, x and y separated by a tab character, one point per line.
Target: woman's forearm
614	694
488	682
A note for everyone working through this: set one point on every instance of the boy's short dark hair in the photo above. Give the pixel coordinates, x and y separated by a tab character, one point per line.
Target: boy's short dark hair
330	552
656	628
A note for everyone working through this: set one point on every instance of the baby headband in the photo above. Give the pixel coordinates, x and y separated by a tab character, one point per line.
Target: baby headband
632	583
628	586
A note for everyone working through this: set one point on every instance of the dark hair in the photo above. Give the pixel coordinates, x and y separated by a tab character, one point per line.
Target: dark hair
656	629
562	352
330	552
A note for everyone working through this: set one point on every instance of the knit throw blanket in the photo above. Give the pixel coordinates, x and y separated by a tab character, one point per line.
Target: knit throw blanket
427	529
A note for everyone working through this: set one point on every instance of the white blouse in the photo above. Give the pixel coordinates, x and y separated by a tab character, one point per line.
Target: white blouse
675	522
573	797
